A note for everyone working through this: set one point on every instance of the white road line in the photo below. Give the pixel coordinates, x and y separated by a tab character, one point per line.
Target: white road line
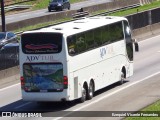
91	103
149	39
2	89
22	105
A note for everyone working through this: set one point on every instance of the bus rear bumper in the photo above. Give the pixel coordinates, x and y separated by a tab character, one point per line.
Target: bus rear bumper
45	96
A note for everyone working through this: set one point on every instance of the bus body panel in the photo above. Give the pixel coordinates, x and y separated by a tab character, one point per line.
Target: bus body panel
45	96
104	70
36	59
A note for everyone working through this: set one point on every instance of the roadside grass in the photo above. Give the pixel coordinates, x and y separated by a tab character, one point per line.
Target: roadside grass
42	4
154	4
41	25
153	107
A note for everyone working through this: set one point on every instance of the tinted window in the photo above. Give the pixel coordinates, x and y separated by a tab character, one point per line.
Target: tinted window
10	35
127	32
72	45
116	32
98	37
41	43
95	38
89	39
105	35
80	43
129	44
2	35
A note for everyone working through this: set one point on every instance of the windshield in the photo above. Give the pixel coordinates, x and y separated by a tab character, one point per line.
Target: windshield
2	35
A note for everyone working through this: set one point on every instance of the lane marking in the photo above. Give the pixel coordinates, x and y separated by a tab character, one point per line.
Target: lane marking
22	105
2	89
149	39
108	95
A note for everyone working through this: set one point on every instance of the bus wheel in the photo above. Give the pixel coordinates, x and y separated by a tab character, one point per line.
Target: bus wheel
84	95
122	78
90	91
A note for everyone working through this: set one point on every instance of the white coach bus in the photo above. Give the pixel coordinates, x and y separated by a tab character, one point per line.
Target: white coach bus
72	60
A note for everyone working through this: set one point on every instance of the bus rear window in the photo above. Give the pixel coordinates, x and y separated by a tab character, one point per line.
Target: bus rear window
41	43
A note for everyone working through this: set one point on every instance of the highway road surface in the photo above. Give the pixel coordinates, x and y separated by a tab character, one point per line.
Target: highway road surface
43	12
137	92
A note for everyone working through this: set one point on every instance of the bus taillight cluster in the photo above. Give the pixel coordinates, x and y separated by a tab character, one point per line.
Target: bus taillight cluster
22	82
65	82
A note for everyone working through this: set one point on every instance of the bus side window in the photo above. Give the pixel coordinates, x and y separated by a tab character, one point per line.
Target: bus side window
71	43
105	35
116	31
80	43
89	39
98	37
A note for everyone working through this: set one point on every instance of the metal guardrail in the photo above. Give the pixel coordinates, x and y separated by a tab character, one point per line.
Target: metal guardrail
119	9
17	7
80	12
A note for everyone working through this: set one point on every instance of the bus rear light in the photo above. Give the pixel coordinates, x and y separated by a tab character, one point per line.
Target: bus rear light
65	81
22	82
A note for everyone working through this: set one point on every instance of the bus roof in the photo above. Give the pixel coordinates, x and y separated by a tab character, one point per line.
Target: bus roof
80	25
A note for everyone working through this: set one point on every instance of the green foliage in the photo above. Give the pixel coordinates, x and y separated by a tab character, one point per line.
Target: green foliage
39	4
154	107
138	9
40	25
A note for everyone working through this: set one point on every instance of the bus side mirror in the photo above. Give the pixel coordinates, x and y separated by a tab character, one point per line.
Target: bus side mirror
136	45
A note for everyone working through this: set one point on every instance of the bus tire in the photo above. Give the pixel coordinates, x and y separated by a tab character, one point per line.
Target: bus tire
122	78
90	91
84	95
